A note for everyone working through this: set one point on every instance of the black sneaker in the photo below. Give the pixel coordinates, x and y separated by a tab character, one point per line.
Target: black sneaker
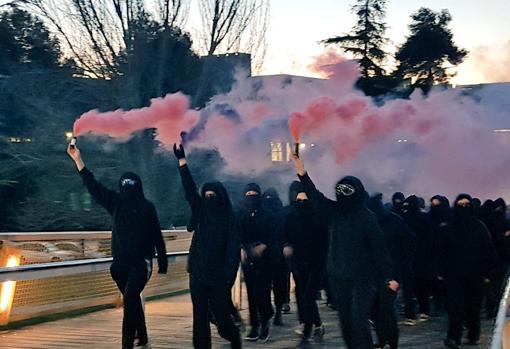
473	342
304	344
253	335
286	308
450	343
264	332
318	333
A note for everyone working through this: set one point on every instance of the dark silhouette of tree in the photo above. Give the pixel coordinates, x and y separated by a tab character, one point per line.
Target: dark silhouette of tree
428	50
367	38
26	43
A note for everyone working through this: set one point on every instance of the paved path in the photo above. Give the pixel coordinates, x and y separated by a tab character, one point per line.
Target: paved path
169	325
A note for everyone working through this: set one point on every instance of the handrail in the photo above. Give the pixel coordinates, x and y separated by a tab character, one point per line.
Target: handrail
42	270
67	235
499	324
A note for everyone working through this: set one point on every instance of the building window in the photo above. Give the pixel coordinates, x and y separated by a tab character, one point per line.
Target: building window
276	152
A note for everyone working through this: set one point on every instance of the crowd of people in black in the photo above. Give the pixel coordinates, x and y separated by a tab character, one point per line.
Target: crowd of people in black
373	260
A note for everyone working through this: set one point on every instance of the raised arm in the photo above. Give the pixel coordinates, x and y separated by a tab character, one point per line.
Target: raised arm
105	197
190	188
319	202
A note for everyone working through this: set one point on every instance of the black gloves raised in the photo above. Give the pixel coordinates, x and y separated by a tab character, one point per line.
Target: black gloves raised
179	152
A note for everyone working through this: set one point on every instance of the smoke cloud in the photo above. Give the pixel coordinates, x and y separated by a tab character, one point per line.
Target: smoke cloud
444	143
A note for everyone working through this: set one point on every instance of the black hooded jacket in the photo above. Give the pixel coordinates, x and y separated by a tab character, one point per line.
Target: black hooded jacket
215	248
136	232
257	224
400	239
499	227
272	204
306	232
419	222
467	250
357	249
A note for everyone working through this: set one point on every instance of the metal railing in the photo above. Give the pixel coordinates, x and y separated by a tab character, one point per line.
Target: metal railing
501	333
44	279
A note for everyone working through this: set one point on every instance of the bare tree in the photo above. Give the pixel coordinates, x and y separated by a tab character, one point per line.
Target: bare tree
95	32
233	26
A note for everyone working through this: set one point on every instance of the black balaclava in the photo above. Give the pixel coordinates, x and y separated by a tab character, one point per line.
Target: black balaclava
354	201
463	214
397	200
440	213
252	202
411	205
271	200
294	189
500	208
218	204
375	204
130	188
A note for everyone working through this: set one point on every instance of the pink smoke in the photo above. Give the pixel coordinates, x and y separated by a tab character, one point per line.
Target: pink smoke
168	115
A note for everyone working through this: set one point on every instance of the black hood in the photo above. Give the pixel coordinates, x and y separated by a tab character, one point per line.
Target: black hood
375	204
271	199
130	187
223	200
294	189
462	214
398	196
500	206
442	212
252	202
354	201
252	187
411	205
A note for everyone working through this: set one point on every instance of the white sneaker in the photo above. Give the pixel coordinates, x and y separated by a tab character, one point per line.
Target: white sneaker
408	322
300	330
424	317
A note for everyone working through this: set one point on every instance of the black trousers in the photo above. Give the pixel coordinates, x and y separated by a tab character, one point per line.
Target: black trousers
354	301
423	291
258	286
407	285
308	282
385	317
464	303
131	281
280	282
218	298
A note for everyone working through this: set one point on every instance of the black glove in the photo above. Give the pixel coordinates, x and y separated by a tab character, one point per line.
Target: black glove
179	152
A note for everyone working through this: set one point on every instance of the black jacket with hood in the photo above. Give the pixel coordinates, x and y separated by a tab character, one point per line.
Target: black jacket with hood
215	248
357	249
400	238
467	249
306	232
136	232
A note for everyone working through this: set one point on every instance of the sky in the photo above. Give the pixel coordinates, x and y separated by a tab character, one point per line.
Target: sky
480	26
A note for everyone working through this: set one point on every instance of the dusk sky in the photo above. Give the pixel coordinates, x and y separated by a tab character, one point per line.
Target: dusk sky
481	27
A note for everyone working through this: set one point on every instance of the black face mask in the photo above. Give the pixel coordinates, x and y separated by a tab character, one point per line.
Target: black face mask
464	212
253	201
212	202
301	204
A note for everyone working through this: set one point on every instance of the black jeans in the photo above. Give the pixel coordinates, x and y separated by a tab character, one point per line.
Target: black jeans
354	301
131	281
464	303
218	297
308	282
280	281
258	286
423	290
385	317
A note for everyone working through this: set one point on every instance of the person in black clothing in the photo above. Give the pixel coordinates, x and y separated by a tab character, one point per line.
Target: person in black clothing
271	203
358	257
258	235
499	227
305	244
136	235
423	262
397	200
213	257
401	242
468	255
440	215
